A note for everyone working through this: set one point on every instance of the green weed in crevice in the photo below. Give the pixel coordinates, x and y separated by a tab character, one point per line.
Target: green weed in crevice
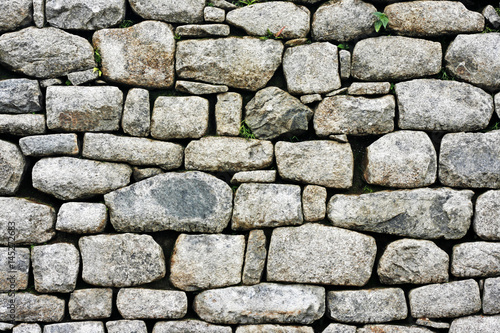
270	35
126	24
246	131
382	21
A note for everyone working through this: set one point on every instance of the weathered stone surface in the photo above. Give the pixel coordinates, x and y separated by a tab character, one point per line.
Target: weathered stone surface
262	303
20	96
354	115
141	55
491	16
345	64
339	328
136	119
476	259
486	223
143	173
87	304
438	105
266	205
475	59
50	82
12	165
255	258
273	329
307	254
259	176
197	88
342	138
491	295
203	30
170	10
22	124
27	328
312	68
432	323
82	77
141	303
297	42
219	61
309	99
214	14
14	268
470	160
189	326
186	202
15	14
476	324
207	261
50	145
403	58
224	4
401	159
39	16
497	104
179	117
448	300
343	21
413	261
314	203
274	112
33	222
325	163
6	326
76	327
420	213
82	217
121	260
32	308
228	154
126	326
44	53
78	178
228	113
392	329
369	88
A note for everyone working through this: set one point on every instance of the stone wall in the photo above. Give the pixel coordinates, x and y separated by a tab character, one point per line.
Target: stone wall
246	166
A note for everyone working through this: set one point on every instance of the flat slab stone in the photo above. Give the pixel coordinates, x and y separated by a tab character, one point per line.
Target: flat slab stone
339	328
22	124
32	308
185	202
255	257
189	326
490	296
309	99
293	257
27	328
142	303
15	14
143	173
197	88
85	304
486	224
20	96
76	327
392	329
121	260
50	145
136	119
262	303
203	30
476	324
476	259
218	61
126	326
14	268
432	323
420	213
369	88
404	58
228	113
170	10
345	64
259	176
82	77
82	217
12	166
273	329
314	203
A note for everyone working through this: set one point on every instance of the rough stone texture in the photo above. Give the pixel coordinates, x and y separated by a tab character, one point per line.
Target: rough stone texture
491	16
33	222
438	105
141	303
134	151
309	99
497	104
22	124
50	145
214	14
189	326
307	254
403	58
15	14
401	159
354	115
39	14
476	324
448	300
432	323
136	119
311	69
224	4
266	205
369	88
219	61
121	260
197	88
259	176
228	154
228	113
12	165
262	303
273	329
27	328
343	21
339	328
255	258
126	326
392	329
476	259
207	261
420	213
274	112
314	203
170	10
78	178
345	64
45	53
82	217
413	261
20	96
82	77
87	304
14	268
143	173
470	160
475	59
84	14
486	223
203	30
75	327
491	295
49	82
32	308
141	55
179	117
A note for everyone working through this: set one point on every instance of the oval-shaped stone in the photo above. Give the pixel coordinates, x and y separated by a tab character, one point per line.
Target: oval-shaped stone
12	165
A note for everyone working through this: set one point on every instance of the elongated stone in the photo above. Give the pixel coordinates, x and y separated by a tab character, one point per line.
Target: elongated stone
20	96
126	326
476	259
134	303
188	326
12	165
31	308
83	326
197	88
14	268
486	224
136	120
392	329
203	30
259	176
50	145
273	329
490	296
255	257
22	124
170	10
476	324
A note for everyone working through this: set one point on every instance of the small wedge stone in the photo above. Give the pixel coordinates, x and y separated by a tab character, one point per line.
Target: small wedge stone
259	176
369	88
486	223
255	258
136	119
197	88
314	203
203	30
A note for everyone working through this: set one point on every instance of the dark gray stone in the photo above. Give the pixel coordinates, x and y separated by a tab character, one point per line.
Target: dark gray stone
476	259
85	304
486	223
170	10
476	324
14	268
50	145
15	14
20	96
22	124
12	165
134	303
32	308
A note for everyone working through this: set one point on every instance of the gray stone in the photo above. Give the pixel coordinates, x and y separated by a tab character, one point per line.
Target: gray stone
345	64
84	109
309	99
392	329
475	324
203	30
470	160
197	88
262	303
219	61
497	104
50	82
228	113
297	42
76	327
136	119
486	223
185	202
170	10
491	15
448	300
141	55
228	154
78	178
476	259
39	13
31	308
369	88
84	14
121	260
87	304
15	14
432	323
342	138
255	257
14	268
441	18
189	326
82	77
491	296
214	14
339	328
33	222
207	261
6	326
50	145
403	58
224	4
20	96
134	151
179	117
259	176
311	69
12	166
325	163
354	115
266	205
274	112
22	124
141	303
27	328
314	203
413	261
45	53
143	173
341	91
420	213
82	217
126	326
438	105
306	254
273	329
475	59
401	159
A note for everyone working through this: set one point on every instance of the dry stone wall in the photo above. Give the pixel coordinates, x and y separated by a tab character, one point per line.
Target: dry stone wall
246	166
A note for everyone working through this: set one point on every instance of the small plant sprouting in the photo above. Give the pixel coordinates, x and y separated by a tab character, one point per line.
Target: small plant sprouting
209	4
294	139
97	57
382	21
367	189
392	89
443	75
497	10
488	30
494	127
68	83
270	35
126	23
245	131
99	73
343	46
177	36
242	3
